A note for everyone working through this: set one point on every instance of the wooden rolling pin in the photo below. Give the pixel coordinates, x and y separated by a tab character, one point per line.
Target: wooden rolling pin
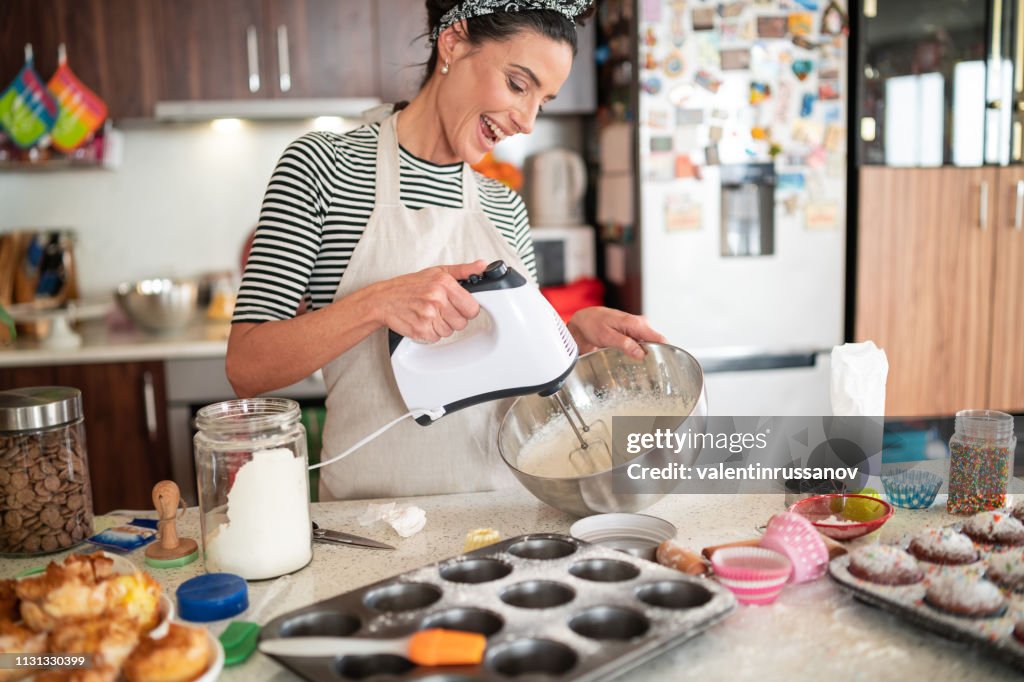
834	548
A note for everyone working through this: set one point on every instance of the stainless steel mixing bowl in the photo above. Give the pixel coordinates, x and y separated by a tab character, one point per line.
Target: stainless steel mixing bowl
599	381
159	305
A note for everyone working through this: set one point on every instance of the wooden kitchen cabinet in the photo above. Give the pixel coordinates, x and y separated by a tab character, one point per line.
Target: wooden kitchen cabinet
1006	392
266	49
110	47
939	286
125	425
402	49
330	47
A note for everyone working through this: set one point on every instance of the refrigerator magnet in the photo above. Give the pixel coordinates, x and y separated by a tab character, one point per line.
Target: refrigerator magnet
652	10
682	214
711	155
760	133
790	182
652	85
801	24
759	92
732	9
772	27
707	80
705	47
735	60
660	167
686	168
689	117
650	63
673	65
828	89
703	18
835	137
802	68
791	204
680	93
661	143
805	43
807	104
821	215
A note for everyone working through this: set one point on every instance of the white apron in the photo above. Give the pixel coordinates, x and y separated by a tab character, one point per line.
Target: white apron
458	453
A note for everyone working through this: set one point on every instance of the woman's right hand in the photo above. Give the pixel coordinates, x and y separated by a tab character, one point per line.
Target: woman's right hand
428	305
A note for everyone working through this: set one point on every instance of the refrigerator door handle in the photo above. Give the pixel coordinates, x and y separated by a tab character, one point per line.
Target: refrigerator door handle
983	207
1018	213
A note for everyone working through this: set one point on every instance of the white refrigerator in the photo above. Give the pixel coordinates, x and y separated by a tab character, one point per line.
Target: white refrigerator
741	140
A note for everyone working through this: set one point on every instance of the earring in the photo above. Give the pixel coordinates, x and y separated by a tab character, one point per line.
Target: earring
444	69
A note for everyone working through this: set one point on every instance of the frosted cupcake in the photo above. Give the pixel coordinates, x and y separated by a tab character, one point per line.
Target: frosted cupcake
996	528
1017	511
885	565
1006	569
943	546
966	596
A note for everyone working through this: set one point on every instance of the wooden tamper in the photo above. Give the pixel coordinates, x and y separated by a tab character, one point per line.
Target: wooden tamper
169	551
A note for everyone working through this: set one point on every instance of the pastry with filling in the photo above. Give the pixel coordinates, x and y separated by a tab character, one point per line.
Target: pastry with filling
996	528
1006	569
86	588
15	638
183	654
8	601
967	596
943	546
885	565
109	640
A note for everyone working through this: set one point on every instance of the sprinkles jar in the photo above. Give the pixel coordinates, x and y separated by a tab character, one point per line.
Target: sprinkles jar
980	461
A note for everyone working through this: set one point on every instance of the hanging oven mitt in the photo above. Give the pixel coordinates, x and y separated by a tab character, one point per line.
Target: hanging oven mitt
82	111
27	109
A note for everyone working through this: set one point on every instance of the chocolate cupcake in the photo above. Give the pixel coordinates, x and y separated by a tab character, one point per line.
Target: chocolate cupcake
996	528
966	596
943	546
1006	569
885	565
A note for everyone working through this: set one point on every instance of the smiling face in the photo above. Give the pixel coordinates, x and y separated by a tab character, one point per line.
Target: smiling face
495	90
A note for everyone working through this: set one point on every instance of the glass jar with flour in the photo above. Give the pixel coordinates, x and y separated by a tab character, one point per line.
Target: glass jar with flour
252	471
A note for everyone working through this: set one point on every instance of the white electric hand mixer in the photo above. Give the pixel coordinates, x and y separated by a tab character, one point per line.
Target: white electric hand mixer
521	346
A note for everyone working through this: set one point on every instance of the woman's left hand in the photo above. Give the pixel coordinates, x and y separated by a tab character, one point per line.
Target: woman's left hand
599	327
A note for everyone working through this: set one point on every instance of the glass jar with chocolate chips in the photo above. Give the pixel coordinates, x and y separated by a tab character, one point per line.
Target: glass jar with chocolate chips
45	498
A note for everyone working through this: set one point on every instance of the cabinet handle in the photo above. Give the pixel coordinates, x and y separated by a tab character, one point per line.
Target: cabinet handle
1018	213
149	400
283	63
253	49
983	207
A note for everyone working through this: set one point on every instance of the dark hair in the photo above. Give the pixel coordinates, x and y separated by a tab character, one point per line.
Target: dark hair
501	26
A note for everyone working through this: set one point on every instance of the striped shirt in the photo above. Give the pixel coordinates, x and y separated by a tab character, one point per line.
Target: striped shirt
317	205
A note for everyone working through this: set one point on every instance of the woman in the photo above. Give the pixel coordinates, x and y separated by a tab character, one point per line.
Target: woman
370	230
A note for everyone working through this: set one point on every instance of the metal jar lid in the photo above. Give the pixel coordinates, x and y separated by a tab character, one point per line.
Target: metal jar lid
39	407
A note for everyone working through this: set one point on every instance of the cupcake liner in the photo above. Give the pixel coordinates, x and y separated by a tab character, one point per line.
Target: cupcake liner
795	536
912	489
751	563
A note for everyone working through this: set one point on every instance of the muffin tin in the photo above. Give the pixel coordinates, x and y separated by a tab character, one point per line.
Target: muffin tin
549	604
993	634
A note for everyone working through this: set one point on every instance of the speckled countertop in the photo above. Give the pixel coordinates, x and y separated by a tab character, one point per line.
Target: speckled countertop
813	631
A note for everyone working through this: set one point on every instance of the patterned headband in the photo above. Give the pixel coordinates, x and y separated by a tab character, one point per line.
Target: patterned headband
468	9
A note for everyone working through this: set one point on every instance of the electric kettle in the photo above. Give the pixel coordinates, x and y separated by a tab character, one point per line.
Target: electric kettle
557	180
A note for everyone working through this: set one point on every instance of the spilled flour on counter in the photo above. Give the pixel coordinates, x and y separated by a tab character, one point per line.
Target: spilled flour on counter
546	452
268	532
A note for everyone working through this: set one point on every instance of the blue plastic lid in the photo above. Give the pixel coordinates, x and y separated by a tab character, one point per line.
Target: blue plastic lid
213	596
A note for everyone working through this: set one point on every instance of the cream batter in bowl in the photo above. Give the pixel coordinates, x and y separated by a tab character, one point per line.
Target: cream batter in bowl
535	439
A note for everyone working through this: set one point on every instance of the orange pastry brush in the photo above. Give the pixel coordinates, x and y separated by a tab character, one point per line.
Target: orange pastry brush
427	647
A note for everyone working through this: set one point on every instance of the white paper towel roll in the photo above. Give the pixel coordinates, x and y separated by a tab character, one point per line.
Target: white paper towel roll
859	371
